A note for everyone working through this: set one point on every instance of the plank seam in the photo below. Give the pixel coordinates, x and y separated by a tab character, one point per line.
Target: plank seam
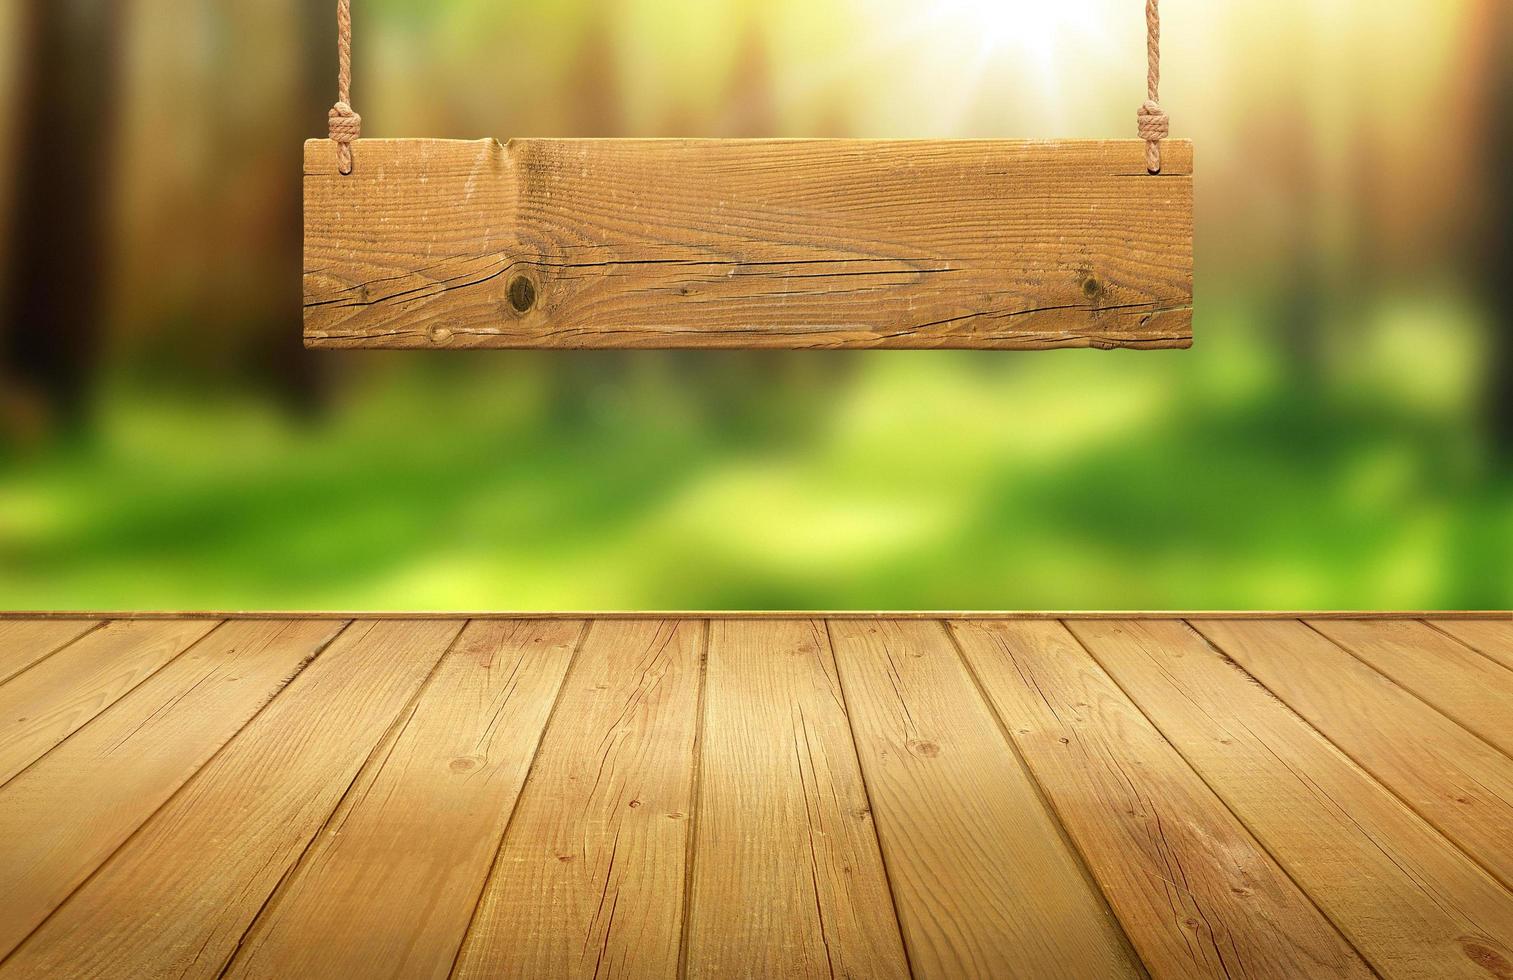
694	806
1360	764
1223	800
1049	805
125	841
104	708
1377	670
1351	762
530	771
882	853
386	740
1465	643
55	650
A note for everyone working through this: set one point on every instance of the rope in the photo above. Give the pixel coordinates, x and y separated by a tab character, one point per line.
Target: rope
346	124
1154	125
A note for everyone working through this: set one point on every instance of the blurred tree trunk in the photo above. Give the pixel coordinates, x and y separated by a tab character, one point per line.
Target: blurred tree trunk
302	377
1302	292
751	109
1496	29
57	228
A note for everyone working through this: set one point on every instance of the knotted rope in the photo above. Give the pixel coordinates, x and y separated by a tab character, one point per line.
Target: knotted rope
1154	125
346	124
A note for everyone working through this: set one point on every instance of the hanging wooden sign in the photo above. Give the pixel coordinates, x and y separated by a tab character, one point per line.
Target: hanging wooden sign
563	243
737	243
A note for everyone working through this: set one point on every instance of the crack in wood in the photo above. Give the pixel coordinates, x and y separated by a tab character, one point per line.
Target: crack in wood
690	243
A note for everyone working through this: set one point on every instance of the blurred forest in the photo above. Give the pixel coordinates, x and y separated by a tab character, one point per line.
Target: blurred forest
1341	435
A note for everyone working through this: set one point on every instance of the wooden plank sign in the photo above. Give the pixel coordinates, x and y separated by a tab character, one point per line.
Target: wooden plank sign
566	243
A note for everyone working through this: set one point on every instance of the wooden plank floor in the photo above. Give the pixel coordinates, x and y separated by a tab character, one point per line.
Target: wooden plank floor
761	797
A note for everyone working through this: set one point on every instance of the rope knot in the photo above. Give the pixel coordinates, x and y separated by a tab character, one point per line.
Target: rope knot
345	127
346	124
1155	125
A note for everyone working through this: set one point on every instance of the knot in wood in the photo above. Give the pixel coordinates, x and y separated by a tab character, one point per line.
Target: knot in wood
1153	121
522	293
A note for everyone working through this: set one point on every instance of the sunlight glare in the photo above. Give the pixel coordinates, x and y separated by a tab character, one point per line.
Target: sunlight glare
1036	41
1027	25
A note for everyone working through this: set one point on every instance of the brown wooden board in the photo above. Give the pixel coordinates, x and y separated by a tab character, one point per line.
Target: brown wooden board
1197	895
954	804
1490	637
48	702
1440	618
395	880
1450	777
750	798
1472	689
557	243
598	845
24	642
176	899
1407	899
806	895
65	815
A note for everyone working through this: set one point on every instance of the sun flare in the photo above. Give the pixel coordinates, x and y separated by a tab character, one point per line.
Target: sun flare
997	22
1037	48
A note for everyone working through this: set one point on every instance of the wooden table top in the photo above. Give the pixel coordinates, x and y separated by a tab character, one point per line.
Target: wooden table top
777	796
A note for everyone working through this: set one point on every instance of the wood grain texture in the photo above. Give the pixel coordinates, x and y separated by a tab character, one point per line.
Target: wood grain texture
176	899
1411	902
984	883
1457	782
702	809
50	701
1197	896
66	814
389	888
1491	637
589	880
1472	689
24	642
748	243
788	880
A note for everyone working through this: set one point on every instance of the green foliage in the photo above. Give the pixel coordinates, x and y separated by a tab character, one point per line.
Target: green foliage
1332	440
1070	480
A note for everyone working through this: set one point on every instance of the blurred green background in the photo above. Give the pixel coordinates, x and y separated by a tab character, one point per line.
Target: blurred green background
1341	435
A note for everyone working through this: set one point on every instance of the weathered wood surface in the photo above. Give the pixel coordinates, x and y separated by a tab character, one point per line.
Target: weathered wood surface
597	849
808	896
972	899
396	879
48	702
1452	778
177	898
27	642
1409	900
1458	680
63	817
1198	896
831	796
557	243
1489	637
